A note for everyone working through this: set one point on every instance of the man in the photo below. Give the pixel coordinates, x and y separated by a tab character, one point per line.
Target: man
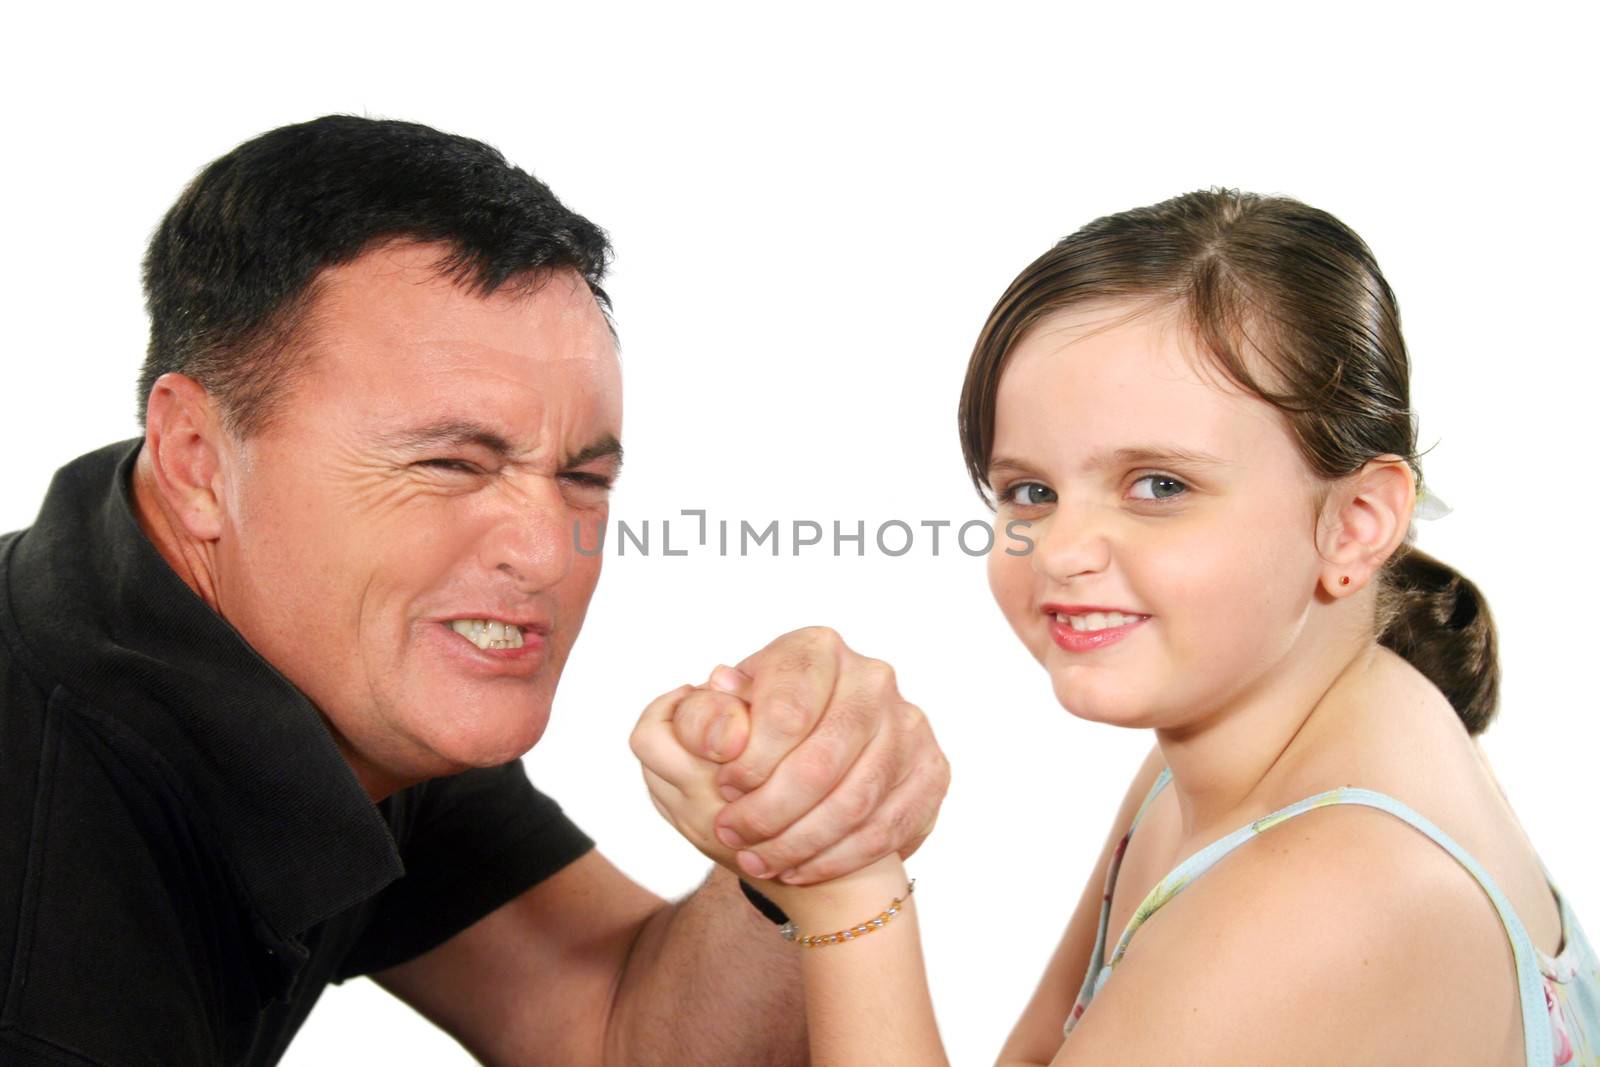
267	671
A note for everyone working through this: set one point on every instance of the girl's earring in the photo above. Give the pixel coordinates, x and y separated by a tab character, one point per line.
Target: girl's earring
1344	580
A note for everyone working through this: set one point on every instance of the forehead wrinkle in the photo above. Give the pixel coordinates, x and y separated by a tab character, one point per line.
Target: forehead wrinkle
449	431
499	364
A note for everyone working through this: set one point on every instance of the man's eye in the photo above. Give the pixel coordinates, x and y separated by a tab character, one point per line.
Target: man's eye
1028	494
460	465
594	484
1157	487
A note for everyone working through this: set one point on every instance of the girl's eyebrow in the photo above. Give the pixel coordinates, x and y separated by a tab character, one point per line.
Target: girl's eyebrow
1154	456
1138	456
1001	465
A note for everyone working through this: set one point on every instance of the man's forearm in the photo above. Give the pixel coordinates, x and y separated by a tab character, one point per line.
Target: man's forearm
709	983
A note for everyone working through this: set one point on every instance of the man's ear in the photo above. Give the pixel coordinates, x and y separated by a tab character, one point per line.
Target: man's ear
184	439
1363	521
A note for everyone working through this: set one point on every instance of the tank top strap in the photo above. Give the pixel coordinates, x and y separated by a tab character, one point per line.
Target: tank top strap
1097	970
1535	1022
1155	787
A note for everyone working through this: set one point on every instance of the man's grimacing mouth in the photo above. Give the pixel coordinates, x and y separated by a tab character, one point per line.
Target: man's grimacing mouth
488	633
1091	621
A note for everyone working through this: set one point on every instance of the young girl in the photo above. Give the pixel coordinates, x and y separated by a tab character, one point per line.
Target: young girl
1198	414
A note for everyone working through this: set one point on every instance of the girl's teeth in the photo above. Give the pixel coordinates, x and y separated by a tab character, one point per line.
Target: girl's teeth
488	633
1097	620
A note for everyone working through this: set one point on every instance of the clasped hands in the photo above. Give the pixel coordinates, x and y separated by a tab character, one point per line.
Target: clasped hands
801	765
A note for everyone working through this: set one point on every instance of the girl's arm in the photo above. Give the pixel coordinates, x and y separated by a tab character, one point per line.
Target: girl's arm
866	996
1037	1035
1036	1038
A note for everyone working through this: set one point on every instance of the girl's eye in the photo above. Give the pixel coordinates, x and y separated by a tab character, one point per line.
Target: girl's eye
1028	494
1157	487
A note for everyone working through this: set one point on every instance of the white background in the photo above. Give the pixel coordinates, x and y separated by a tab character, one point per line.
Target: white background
813	210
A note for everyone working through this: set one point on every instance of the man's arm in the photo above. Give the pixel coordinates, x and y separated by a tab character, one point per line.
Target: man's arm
588	968
710	982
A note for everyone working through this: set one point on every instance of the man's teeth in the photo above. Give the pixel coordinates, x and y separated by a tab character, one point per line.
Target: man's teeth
488	633
1097	620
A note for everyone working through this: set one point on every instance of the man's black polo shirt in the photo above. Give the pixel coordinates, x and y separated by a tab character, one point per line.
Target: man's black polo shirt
185	858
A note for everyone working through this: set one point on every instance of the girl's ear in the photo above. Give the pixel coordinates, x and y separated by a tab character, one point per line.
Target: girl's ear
1363	521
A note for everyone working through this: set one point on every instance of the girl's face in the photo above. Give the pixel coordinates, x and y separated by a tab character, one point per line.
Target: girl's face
1173	565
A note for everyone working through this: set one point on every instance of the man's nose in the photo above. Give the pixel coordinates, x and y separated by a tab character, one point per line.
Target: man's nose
529	539
1072	542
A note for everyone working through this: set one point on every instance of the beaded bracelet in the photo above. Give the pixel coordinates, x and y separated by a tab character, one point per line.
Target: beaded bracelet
876	923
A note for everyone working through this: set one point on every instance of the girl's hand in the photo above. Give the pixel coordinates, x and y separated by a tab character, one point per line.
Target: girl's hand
682	785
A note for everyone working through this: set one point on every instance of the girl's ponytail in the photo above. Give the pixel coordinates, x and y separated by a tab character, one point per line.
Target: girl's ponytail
1440	623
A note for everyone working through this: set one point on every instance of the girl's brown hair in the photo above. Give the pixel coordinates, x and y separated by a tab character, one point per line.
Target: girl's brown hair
1289	305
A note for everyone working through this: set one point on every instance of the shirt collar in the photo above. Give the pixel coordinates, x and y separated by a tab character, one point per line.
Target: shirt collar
106	617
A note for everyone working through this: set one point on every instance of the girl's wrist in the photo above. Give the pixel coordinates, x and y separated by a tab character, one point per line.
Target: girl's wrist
843	901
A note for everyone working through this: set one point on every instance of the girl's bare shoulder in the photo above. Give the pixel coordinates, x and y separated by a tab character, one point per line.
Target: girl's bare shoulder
1405	741
1336	936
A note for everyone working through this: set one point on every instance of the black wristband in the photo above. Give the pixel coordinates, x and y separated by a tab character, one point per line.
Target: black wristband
762	904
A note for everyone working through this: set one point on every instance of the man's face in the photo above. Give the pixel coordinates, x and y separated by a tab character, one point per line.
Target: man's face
399	542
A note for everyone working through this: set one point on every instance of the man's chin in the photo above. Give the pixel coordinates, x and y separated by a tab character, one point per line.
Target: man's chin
440	726
487	740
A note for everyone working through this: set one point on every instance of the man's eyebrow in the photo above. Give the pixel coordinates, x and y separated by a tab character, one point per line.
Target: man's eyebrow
601	448
447	432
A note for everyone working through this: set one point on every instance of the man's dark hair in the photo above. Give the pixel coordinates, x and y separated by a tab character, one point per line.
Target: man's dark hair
232	269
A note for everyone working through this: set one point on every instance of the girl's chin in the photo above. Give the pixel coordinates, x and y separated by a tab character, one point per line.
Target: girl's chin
1094	704
1106	718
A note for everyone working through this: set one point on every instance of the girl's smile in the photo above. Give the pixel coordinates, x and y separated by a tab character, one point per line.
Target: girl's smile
1081	628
